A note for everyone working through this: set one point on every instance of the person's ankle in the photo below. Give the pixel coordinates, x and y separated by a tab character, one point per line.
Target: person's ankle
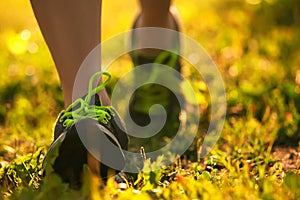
167	22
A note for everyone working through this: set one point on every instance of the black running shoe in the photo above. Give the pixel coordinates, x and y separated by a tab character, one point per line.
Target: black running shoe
148	95
86	123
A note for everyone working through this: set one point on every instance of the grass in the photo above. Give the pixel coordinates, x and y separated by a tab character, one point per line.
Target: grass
256	46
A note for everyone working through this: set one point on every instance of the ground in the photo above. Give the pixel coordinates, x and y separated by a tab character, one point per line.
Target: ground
255	45
289	156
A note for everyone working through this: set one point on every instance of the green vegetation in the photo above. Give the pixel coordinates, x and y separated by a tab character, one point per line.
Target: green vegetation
255	44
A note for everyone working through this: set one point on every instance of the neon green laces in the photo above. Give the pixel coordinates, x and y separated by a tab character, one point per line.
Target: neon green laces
85	110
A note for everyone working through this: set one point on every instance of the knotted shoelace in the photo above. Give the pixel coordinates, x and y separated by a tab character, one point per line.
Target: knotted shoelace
85	110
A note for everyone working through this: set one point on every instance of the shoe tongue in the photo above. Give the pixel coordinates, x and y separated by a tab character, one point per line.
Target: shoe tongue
95	100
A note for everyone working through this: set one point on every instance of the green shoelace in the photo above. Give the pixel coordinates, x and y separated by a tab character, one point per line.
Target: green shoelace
85	110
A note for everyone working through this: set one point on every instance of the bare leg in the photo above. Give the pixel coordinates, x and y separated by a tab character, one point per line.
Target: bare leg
154	13
71	29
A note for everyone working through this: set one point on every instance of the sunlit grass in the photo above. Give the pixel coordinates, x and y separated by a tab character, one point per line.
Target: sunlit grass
256	46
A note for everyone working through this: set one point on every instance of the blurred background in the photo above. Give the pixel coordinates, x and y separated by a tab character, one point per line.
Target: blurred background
255	44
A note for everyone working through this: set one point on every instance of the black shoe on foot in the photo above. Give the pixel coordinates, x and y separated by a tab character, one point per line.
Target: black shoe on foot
87	131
